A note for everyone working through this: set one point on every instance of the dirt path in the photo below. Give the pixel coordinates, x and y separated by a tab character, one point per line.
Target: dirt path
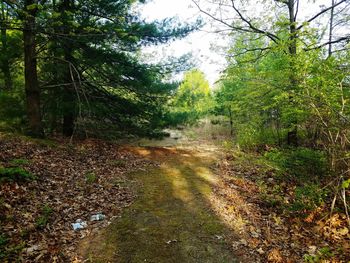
171	220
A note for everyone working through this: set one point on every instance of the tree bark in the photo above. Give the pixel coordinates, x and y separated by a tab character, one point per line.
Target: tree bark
292	135
69	97
231	120
5	64
330	37
32	89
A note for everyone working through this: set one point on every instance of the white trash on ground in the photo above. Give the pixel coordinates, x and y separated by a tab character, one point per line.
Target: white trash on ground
79	224
97	217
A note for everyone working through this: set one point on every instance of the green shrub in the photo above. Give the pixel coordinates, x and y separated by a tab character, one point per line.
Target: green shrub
300	163
308	197
15	174
321	256
12	117
44	217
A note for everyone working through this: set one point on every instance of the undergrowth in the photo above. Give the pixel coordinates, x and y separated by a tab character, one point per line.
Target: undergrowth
15	174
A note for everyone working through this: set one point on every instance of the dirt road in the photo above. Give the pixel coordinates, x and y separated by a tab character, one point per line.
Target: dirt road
171	220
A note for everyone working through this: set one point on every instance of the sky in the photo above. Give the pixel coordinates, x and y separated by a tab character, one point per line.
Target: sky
208	48
198	43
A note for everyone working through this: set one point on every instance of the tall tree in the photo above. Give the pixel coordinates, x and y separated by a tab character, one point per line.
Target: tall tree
32	89
4	57
274	33
87	54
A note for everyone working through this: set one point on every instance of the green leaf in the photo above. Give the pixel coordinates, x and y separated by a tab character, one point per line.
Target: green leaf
32	7
346	184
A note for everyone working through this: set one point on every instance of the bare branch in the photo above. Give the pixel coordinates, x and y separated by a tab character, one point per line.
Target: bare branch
273	37
321	13
251	28
341	39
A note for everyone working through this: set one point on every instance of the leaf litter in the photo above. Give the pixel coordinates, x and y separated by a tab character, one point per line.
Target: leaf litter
73	181
263	231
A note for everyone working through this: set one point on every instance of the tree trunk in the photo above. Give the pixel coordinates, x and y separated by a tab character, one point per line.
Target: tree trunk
292	135
231	120
330	38
69	97
68	124
32	89
5	65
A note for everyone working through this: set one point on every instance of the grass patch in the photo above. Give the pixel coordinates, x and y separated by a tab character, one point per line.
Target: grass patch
90	178
301	164
15	174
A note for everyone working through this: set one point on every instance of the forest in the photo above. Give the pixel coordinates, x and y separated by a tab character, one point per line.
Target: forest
148	166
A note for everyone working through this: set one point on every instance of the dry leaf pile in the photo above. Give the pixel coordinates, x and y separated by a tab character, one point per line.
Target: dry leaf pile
265	231
73	182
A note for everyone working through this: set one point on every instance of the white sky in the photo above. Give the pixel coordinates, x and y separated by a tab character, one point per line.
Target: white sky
198	43
210	61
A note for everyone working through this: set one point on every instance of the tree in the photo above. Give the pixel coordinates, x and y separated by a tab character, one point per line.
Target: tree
285	32
4	59
32	89
86	53
192	99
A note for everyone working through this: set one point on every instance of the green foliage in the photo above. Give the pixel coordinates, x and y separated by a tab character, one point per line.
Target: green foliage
18	162
15	174
323	254
9	253
93	81
191	101
44	217
300	163
308	197
11	111
346	184
90	178
305	167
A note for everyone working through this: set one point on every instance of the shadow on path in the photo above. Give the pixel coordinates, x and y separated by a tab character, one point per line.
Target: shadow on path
171	220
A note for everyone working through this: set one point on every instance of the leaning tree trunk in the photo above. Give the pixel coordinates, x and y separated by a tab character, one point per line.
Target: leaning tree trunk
32	89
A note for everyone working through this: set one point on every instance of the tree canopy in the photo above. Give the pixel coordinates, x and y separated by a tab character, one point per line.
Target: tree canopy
82	64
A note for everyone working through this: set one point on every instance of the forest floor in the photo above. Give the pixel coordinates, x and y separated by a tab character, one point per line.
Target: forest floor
207	204
164	201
